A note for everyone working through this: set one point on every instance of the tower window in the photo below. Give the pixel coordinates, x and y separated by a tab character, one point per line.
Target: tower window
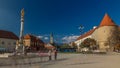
104	31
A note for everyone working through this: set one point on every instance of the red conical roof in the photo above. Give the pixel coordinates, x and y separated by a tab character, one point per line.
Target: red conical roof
107	21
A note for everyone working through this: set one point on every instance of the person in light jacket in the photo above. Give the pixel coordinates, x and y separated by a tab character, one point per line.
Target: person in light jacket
50	55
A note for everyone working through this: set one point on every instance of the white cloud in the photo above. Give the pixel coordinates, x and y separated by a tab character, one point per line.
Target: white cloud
46	38
59	38
40	37
68	39
43	37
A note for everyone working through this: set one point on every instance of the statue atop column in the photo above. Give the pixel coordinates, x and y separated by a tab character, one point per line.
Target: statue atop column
22	12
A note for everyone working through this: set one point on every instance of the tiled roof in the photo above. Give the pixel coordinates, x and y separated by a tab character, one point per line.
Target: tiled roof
107	21
29	36
49	46
86	34
8	35
33	38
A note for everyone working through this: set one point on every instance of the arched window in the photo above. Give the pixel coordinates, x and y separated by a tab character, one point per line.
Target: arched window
3	42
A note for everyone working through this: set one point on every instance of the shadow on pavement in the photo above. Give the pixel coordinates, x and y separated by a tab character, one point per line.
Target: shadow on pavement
62	59
83	63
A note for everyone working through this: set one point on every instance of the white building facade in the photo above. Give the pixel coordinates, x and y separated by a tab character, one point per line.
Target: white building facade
7	41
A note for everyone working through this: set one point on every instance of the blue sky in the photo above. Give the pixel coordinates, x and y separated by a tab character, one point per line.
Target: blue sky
61	17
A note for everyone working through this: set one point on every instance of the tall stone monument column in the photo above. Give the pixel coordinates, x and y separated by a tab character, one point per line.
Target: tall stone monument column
20	46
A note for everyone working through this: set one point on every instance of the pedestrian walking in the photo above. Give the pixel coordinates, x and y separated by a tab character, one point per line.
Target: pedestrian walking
55	54
50	55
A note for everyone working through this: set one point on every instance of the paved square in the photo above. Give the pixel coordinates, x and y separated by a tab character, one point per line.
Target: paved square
78	61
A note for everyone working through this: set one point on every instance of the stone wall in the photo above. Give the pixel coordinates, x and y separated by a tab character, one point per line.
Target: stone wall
22	60
106	36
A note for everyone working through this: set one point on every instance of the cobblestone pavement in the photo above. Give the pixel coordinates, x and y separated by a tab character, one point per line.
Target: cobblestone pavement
77	61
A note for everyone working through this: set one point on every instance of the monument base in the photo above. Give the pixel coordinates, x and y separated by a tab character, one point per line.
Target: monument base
21	60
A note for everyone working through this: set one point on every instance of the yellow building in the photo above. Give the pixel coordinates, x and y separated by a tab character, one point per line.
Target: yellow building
33	43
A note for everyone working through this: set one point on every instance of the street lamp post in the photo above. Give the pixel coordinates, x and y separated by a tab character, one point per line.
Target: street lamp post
81	27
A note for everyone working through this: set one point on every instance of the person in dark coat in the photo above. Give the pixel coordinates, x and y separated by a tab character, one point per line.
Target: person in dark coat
55	54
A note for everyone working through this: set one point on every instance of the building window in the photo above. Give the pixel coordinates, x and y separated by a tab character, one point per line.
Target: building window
32	43
14	43
9	43
37	43
104	31
3	42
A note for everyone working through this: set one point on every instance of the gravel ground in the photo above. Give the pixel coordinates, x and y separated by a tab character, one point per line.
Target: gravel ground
111	60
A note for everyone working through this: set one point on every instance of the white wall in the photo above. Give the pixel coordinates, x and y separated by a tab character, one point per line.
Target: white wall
8	44
78	42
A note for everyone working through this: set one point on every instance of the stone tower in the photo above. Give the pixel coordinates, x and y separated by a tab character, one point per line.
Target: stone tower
51	39
106	34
